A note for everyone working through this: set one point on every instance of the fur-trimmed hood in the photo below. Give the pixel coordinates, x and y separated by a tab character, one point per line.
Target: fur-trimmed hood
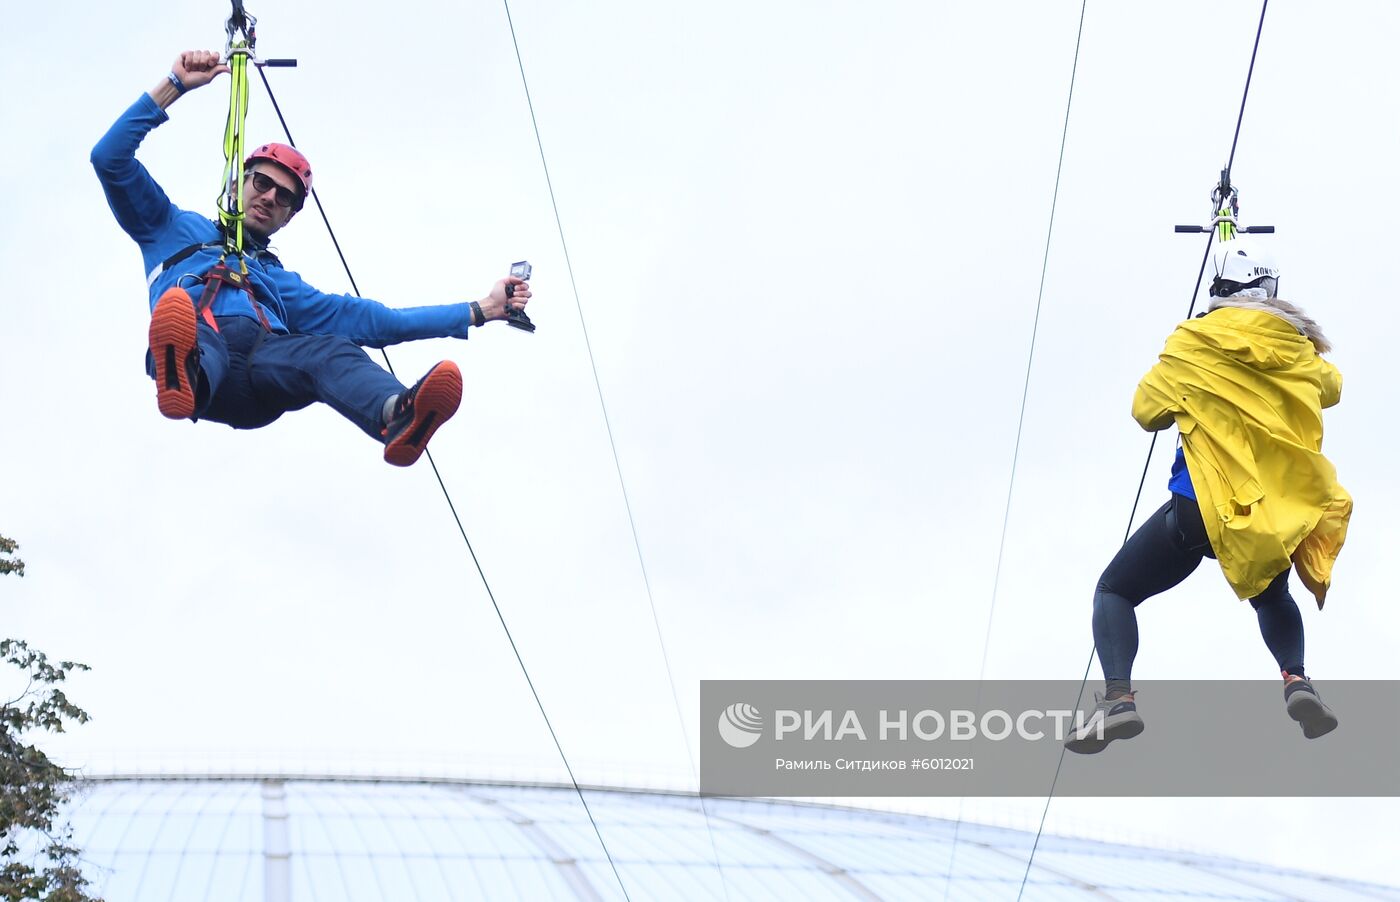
1289	313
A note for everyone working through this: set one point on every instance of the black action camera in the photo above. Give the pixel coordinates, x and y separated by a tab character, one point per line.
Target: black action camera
517	318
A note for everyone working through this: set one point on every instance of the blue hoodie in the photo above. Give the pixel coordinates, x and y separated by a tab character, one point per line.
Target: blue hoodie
163	230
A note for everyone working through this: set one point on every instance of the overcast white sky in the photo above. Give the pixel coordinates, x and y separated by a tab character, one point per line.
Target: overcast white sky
807	239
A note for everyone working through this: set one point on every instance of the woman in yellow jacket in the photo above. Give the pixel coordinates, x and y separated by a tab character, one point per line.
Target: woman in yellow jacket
1245	386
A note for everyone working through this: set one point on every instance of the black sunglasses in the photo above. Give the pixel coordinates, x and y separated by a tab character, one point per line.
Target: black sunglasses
283	196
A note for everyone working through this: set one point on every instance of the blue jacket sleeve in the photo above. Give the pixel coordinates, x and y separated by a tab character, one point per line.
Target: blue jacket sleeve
366	322
140	205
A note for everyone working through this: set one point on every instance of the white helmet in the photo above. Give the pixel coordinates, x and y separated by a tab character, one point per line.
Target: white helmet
1240	266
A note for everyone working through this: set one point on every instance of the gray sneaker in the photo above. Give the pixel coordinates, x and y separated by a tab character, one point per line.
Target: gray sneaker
1112	719
1306	706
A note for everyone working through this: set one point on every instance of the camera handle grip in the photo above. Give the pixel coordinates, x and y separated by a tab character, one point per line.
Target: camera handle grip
517	318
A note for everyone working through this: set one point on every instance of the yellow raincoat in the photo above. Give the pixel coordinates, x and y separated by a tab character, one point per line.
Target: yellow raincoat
1246	390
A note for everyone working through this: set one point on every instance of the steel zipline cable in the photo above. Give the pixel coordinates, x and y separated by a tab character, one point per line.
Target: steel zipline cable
462	530
612	442
1021	417
1200	276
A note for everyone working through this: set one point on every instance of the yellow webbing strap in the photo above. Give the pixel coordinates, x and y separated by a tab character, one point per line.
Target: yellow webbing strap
231	204
1225	228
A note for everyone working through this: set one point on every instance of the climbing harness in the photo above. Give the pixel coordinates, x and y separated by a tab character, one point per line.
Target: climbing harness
239	51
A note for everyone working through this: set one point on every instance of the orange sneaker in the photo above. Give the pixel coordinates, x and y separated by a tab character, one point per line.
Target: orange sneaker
419	412
175	352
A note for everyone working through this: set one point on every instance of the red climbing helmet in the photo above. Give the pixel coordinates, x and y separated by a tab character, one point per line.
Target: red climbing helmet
288	158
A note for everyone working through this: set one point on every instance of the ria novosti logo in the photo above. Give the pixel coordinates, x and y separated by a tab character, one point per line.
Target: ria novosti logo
740	725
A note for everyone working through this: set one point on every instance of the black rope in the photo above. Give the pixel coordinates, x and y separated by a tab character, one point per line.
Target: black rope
1021	417
1190	311
238	18
1088	665
1258	33
462	529
612	442
314	196
1200	276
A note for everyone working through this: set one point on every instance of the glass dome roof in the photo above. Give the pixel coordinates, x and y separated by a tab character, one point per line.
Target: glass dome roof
248	839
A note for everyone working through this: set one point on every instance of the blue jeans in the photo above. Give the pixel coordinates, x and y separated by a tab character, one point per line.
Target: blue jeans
1163	552
250	377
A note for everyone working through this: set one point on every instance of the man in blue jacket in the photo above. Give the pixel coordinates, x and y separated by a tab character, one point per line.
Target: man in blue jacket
251	348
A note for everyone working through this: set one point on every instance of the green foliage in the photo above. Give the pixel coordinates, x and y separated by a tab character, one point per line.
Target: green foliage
32	787
8	564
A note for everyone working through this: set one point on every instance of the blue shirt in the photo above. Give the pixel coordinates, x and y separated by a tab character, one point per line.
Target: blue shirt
1180	482
163	230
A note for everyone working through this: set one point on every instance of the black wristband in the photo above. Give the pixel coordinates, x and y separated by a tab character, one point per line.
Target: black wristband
478	315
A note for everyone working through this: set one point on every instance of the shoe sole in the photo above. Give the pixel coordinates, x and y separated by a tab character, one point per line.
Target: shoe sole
173	338
1309	711
1094	745
437	400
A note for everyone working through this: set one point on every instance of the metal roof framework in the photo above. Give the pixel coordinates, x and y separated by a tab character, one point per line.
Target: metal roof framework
280	837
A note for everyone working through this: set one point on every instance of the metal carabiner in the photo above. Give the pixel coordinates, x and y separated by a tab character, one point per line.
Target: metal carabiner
1224	212
240	20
